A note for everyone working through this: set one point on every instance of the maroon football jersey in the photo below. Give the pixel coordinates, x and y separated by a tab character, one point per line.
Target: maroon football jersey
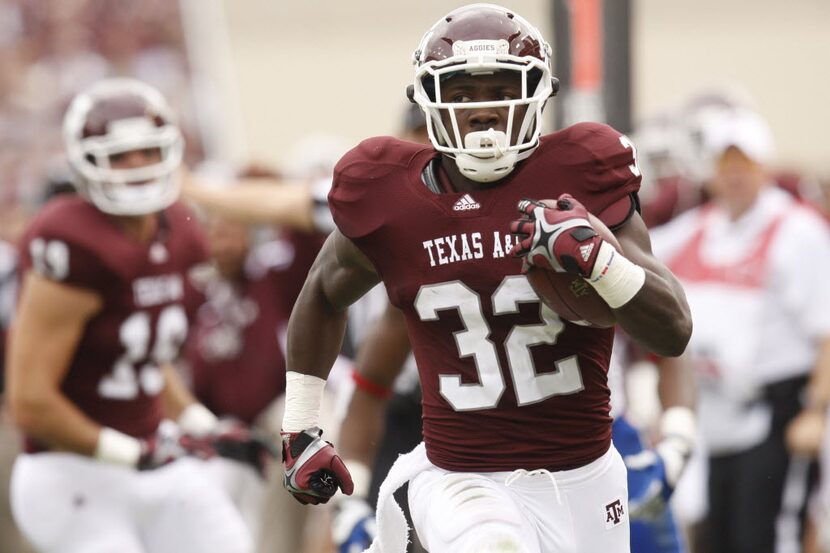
147	302
506	383
234	353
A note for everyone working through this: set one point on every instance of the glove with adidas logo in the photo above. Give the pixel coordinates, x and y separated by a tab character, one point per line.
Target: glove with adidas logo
556	236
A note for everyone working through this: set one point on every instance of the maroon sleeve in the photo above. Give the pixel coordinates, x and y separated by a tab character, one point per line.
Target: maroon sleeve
53	253
358	201
610	176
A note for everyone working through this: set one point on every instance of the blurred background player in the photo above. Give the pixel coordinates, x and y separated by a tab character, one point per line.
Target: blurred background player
236	367
264	230
751	260
234	360
103	310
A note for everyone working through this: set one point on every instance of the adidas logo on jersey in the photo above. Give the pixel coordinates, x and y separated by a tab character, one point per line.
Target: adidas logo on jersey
465	203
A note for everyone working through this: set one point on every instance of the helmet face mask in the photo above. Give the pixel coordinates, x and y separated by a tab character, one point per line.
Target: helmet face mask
481	40
114	117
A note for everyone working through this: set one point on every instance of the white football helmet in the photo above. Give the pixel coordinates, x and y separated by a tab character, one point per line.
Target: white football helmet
481	39
116	116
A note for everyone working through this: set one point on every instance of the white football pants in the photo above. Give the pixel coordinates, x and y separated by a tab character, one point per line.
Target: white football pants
67	503
573	511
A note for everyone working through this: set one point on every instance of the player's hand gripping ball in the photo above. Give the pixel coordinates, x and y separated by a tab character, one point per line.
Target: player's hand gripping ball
559	241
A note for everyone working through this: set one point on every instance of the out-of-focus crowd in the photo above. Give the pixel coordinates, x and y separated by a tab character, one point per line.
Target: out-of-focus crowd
49	51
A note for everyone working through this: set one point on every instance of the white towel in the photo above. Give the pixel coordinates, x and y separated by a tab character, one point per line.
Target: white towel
393	531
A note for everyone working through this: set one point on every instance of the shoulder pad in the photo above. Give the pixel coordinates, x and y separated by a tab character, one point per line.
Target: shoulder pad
603	152
603	166
365	181
376	157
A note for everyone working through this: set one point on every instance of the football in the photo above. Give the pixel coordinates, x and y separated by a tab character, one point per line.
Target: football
569	295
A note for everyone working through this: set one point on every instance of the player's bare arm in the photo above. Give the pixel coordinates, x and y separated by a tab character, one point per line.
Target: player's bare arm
677	428
50	322
267	201
676	385
340	275
805	433
658	316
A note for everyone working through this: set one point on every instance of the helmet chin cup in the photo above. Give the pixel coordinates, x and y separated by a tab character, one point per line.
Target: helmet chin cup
487	167
491	139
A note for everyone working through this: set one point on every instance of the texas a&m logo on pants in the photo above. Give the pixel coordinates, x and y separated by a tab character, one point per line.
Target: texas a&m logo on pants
614	513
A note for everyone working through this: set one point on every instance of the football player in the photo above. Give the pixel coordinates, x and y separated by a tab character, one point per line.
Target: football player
517	451
104	307
249	301
236	365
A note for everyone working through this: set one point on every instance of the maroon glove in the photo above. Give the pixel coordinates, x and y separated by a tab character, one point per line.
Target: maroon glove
169	444
556	236
313	470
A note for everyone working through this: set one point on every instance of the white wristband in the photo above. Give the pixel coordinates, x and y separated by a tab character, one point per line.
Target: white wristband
303	397
197	420
615	278
117	448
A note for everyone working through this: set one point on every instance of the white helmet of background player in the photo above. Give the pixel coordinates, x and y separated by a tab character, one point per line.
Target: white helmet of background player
116	116
480	39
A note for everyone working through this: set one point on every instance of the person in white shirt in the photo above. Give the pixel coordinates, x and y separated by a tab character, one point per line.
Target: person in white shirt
753	261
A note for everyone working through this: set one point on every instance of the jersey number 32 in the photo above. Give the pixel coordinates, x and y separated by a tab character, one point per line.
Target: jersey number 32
474	341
